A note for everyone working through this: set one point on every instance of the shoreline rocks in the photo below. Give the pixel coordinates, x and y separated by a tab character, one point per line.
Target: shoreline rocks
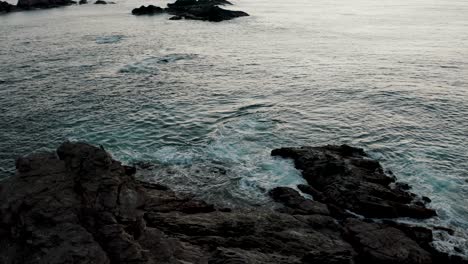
207	10
6	7
42	4
147	10
79	205
345	177
26	5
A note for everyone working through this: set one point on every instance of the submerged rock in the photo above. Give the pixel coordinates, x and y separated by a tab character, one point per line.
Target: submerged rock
79	205
147	10
345	177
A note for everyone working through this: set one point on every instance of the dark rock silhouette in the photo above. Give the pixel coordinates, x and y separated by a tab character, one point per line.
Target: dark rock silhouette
147	10
345	177
33	4
6	7
207	10
180	4
203	10
79	205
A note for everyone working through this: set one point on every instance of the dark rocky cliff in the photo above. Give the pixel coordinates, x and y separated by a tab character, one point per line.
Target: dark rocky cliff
79	205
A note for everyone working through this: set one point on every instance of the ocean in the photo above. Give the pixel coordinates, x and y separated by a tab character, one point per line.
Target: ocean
205	103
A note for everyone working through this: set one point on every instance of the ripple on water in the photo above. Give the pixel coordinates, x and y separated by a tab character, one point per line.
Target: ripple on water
109	39
151	65
232	164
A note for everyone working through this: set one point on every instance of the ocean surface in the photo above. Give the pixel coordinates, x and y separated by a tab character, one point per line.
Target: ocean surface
205	103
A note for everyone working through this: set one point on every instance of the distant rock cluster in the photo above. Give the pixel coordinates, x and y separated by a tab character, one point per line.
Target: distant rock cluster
5	7
33	4
79	205
207	10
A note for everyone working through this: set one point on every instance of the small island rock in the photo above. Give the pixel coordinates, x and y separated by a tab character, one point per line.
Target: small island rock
147	10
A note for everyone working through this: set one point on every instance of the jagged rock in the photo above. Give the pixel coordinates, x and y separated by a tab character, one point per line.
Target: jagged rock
79	205
83	2
296	203
102	2
203	10
240	256
147	10
384	244
344	176
175	18
180	4
208	13
32	4
193	9
6	7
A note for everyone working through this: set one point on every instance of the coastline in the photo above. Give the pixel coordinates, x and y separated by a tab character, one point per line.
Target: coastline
80	205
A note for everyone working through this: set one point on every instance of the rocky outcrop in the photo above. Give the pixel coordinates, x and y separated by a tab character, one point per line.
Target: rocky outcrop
33	4
345	177
207	10
102	2
296	203
6	7
203	10
79	205
147	10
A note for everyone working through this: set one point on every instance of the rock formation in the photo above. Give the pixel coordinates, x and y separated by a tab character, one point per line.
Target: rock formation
79	205
147	10
345	177
32	4
6	7
208	10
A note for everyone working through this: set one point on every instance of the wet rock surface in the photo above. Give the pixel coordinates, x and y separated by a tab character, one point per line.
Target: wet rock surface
79	205
207	10
345	177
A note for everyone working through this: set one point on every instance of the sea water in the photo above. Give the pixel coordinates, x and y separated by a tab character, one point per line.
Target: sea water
205	103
